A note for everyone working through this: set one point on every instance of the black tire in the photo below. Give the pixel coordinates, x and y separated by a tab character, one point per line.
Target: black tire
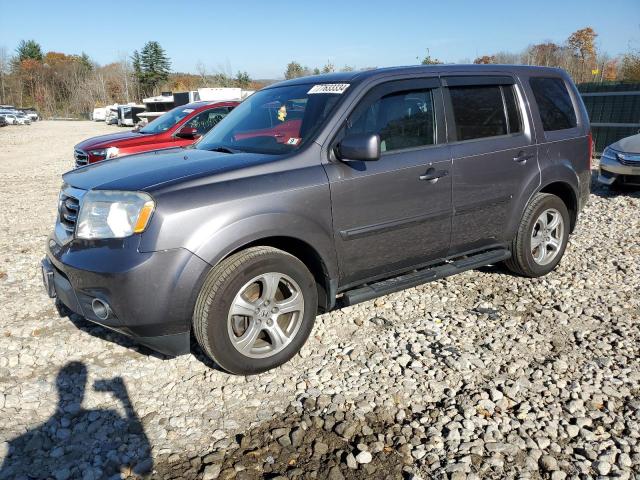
522	261
224	282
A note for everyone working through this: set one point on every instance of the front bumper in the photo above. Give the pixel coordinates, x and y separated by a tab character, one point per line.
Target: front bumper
150	296
612	170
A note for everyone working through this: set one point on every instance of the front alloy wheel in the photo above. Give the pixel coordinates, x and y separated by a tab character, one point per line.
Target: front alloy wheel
255	310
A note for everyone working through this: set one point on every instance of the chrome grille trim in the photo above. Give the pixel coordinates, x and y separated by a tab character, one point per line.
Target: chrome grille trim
631	159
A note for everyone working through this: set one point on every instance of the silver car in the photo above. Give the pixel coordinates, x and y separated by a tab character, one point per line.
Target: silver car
621	162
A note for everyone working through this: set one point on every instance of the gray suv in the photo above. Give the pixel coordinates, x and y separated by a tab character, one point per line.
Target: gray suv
318	193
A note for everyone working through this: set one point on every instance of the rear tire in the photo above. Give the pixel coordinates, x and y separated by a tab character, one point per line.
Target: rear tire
255	310
542	237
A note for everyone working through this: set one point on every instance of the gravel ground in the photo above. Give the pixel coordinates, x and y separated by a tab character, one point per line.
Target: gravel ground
482	375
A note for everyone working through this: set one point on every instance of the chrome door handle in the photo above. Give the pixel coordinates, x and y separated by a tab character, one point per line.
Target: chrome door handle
432	175
522	158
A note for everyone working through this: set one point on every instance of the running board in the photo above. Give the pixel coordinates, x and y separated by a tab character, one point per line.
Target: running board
418	277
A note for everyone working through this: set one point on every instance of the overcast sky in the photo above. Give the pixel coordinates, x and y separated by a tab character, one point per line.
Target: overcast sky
262	37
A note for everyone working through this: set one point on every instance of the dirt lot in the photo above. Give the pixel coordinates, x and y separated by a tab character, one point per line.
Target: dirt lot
480	375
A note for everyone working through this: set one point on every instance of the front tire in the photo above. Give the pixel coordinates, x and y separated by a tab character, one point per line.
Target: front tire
255	310
542	237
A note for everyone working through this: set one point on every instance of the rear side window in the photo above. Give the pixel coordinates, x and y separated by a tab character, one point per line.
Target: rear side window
402	119
482	111
554	103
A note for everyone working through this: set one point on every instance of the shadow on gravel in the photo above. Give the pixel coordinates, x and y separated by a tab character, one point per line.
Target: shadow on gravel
80	443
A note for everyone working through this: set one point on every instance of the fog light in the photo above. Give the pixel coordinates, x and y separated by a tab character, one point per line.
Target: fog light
100	309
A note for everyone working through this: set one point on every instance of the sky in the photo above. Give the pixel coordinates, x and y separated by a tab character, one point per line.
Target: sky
261	37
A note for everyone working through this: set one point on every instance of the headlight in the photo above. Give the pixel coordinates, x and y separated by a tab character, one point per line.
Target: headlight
110	214
105	153
610	154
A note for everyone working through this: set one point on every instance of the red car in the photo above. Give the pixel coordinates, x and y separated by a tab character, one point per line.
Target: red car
176	128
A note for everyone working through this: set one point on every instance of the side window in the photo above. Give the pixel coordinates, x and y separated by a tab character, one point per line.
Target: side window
554	103
205	121
402	119
478	111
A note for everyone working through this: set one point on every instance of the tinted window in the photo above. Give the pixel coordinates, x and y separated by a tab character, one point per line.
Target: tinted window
478	111
205	121
554	103
513	112
402	119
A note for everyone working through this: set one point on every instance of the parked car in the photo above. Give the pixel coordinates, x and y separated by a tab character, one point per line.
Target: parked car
318	193
11	119
176	128
23	119
3	121
620	162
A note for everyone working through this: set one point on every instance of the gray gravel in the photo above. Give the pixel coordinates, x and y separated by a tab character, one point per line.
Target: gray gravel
482	375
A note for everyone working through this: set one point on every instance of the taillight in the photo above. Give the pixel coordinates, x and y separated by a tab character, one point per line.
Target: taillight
590	138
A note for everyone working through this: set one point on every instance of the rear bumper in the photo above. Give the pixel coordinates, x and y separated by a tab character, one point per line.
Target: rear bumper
150	296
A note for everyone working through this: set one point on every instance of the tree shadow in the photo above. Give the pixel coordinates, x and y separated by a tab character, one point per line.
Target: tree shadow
80	443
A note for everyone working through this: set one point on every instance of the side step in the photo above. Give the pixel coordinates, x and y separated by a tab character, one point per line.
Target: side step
418	277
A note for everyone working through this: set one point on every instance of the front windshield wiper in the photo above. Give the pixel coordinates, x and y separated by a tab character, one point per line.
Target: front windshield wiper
222	149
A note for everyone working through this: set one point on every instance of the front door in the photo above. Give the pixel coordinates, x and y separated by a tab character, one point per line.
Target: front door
395	212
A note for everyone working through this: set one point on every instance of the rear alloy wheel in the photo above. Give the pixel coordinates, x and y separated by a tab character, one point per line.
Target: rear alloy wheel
541	238
255	310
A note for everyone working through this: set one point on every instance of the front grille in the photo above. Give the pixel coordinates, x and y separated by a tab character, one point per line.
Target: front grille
630	159
80	157
68	214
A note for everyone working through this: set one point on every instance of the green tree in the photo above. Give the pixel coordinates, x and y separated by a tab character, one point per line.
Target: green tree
151	67
242	79
29	49
429	60
329	67
294	70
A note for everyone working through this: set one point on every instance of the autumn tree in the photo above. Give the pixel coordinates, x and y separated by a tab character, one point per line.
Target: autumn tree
630	67
582	44
485	60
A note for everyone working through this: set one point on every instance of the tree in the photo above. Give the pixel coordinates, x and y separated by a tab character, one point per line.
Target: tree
329	67
630	67
485	60
582	44
294	70
29	49
151	67
242	79
429	60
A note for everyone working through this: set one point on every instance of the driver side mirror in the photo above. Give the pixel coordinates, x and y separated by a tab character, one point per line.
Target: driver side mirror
360	146
187	132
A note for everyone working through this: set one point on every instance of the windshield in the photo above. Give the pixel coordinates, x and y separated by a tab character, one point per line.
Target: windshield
275	120
166	121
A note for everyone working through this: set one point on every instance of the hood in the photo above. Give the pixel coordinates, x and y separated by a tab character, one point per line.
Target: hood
628	145
109	140
151	169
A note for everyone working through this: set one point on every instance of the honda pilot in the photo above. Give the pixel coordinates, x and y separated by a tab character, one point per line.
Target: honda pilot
318	193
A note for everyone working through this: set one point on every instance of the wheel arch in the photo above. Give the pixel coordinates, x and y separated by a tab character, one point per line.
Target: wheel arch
308	255
568	195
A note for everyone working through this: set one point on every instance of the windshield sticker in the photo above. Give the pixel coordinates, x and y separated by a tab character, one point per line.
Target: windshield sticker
187	110
282	113
329	88
293	141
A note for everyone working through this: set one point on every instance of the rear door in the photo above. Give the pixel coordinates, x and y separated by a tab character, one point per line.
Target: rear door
387	214
494	157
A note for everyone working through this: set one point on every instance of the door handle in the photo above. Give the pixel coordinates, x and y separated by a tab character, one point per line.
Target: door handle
432	175
522	157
